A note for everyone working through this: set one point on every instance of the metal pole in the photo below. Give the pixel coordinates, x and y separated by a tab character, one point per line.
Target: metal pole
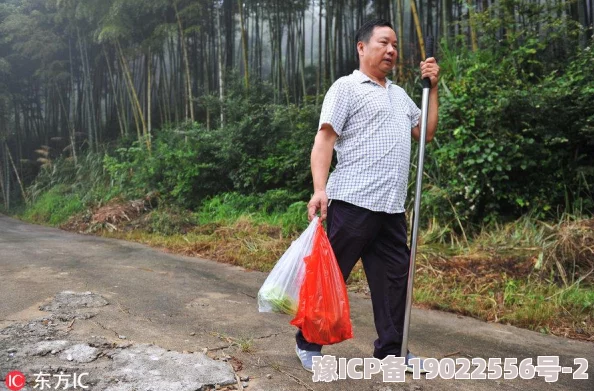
419	183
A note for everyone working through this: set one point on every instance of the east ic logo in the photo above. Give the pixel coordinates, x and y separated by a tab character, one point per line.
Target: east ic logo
15	380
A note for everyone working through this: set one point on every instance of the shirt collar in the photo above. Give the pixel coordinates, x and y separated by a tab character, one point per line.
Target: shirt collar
362	78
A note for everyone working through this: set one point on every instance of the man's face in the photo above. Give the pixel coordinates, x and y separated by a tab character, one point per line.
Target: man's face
381	50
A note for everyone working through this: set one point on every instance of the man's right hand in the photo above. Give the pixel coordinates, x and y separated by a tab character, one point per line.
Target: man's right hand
319	202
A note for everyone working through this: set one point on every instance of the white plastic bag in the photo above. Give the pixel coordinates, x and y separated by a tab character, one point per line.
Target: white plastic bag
280	291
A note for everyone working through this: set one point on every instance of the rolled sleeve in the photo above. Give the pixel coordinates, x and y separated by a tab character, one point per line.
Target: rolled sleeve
336	106
414	113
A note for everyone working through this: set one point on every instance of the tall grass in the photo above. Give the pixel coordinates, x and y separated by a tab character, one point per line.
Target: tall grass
275	207
54	206
87	178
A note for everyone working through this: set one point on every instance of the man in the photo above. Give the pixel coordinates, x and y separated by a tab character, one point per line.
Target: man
369	121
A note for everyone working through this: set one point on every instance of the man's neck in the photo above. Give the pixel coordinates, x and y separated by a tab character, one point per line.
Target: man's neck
379	79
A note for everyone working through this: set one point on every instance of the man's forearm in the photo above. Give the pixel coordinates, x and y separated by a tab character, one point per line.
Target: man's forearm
433	116
320	166
321	157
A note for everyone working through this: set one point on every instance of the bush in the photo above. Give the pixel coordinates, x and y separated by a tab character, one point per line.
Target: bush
184	166
268	145
509	144
262	147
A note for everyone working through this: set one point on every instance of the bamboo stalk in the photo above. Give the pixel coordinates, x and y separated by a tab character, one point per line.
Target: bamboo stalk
129	103
319	70
85	94
413	7
471	25
302	55
186	62
134	95
69	115
400	17
220	61
70	129
2	189
244	45
329	39
17	174
113	87
90	94
7	186
148	92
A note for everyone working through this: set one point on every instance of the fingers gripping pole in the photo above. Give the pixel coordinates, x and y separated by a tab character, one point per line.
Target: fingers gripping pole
417	206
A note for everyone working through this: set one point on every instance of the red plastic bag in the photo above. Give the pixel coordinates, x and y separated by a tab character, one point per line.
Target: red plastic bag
323	314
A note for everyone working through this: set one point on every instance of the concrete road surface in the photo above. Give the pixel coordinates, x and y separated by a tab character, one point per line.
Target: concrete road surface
129	317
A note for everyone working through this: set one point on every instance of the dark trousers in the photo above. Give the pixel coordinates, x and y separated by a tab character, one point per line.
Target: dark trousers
380	240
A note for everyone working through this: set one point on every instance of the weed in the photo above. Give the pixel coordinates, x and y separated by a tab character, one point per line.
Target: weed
170	221
246	345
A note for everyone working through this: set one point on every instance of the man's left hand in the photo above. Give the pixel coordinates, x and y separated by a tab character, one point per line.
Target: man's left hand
430	69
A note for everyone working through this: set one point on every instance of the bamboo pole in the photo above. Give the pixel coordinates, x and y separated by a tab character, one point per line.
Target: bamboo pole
413	6
186	63
400	17
148	92
7	185
220	61
136	101
471	25
17	174
2	189
244	45
70	128
123	131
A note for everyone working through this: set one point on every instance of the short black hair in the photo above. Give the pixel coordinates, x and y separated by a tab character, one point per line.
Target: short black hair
366	30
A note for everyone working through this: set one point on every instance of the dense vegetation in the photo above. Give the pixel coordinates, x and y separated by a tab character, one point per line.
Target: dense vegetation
96	77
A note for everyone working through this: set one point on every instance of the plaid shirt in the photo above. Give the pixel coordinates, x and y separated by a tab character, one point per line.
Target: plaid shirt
374	125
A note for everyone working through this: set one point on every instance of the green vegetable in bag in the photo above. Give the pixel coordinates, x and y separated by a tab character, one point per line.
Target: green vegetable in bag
279	301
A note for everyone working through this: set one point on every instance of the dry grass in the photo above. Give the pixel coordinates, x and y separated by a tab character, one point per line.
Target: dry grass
244	243
108	217
507	290
568	252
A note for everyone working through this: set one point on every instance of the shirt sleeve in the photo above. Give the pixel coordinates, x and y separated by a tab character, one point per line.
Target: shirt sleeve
414	113
337	106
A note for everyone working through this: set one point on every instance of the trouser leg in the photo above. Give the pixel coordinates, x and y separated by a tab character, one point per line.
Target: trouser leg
386	262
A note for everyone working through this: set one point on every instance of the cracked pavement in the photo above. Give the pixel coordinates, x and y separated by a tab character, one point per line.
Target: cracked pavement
136	318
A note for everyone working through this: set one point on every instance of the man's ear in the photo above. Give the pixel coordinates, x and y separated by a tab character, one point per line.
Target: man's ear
360	46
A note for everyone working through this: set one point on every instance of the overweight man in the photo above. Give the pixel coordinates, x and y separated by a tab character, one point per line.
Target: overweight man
370	122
